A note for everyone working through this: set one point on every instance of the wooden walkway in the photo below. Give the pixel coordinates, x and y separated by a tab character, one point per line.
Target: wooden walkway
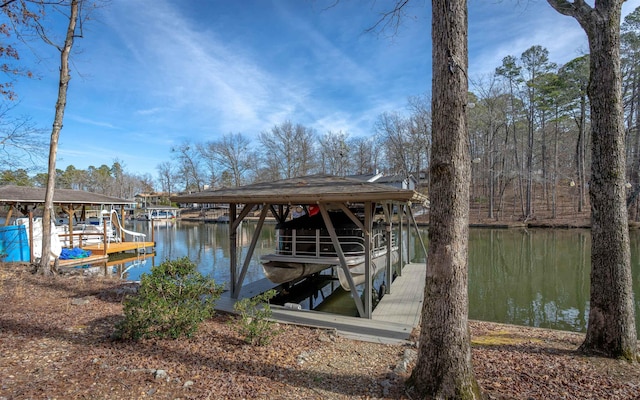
395	317
92	259
119	247
98	255
404	304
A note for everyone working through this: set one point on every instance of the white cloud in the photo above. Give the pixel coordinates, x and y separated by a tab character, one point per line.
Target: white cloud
164	70
89	121
150	111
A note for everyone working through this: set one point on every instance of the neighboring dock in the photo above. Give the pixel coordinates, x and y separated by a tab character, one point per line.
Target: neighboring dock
118	247
394	318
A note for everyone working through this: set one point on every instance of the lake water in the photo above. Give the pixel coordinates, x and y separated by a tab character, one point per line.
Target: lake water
519	276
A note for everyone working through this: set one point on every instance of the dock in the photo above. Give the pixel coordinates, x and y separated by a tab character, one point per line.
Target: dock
394	318
404	304
118	247
92	259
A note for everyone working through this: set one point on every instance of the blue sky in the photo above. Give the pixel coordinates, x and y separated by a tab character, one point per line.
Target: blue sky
149	74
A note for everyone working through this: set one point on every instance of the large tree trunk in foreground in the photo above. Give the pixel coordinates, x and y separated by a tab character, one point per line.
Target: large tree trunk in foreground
444	369
611	330
44	265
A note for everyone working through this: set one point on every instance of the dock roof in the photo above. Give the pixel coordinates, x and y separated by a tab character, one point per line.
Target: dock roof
10	194
305	190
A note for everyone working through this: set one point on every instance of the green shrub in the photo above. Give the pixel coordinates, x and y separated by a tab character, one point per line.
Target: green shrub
255	324
172	301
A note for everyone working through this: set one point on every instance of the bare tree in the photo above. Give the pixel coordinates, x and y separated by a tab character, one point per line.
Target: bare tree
420	133
392	130
535	62
575	75
510	71
21	142
334	153
230	154
144	183
189	165
18	17
611	330
630	58
489	150
167	175
74	8
289	150
364	153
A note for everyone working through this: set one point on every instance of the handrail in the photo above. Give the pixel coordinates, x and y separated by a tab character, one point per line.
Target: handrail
316	245
85	236
136	235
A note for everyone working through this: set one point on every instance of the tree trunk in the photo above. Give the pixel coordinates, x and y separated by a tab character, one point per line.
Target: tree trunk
611	330
543	156
554	196
444	369
44	267
580	155
492	173
633	127
529	190
611	327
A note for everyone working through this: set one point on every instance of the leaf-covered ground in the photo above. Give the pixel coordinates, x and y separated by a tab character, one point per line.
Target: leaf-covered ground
55	343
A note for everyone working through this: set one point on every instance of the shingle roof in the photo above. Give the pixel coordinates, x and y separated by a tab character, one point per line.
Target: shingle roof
305	190
30	195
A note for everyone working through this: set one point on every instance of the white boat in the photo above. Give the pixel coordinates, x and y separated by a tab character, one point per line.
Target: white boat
305	248
88	232
158	213
36	241
223	219
92	231
378	263
161	214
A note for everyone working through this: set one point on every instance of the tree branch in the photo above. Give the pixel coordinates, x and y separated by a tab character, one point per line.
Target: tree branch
390	19
578	9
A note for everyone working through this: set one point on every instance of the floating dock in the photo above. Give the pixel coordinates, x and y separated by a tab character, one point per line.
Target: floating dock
92	259
118	247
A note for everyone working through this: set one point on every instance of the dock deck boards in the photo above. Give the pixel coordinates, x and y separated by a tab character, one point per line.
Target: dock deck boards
117	247
92	259
397	314
404	303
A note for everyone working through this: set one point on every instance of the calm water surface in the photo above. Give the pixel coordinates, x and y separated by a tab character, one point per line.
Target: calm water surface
524	277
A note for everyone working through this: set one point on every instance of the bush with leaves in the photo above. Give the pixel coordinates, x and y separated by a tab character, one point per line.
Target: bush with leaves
172	301
255	319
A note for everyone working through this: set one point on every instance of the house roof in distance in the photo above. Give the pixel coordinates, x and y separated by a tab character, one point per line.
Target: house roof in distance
10	194
305	190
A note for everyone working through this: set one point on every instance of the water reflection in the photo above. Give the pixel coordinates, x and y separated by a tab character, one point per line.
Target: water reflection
530	277
524	277
207	245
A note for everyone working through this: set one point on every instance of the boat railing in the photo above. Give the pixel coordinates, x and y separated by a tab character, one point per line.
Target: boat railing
121	231
317	244
84	233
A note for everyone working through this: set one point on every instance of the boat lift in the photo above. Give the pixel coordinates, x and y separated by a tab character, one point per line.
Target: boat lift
327	192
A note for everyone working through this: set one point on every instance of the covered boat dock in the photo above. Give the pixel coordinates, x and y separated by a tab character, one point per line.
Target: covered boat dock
26	200
326	192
